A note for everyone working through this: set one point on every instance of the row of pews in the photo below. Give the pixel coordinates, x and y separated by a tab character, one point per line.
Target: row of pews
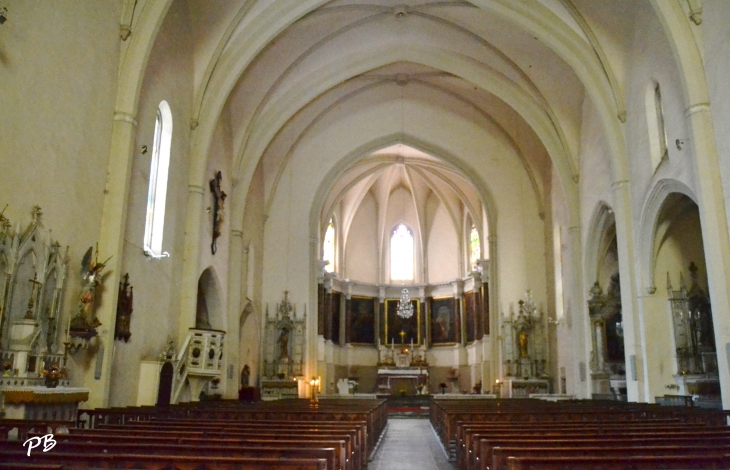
532	434
281	435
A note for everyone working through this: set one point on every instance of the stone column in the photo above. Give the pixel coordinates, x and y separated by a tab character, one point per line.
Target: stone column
713	218
458	286
111	243
233	320
578	320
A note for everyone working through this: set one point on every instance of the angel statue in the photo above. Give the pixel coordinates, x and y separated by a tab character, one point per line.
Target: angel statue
91	270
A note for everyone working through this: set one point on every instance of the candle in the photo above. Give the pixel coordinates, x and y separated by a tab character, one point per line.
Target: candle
68	328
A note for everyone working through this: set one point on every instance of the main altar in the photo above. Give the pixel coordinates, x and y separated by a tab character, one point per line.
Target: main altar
402	371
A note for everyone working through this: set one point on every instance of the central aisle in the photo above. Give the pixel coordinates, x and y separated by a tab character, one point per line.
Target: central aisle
410	444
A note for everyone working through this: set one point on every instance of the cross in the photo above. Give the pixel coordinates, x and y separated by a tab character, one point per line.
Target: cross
402	337
31	302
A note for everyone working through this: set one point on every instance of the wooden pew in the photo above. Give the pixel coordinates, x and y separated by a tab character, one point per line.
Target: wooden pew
486	456
160	462
501	455
694	462
201	449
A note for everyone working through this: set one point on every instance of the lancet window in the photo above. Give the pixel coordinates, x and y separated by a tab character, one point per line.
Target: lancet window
157	194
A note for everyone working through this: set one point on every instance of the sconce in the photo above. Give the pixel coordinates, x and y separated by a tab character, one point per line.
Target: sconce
3	15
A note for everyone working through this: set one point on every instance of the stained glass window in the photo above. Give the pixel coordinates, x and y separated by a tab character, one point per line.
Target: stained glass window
401	254
328	249
475	252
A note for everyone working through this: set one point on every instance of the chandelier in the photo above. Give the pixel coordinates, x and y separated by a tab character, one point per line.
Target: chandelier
405	307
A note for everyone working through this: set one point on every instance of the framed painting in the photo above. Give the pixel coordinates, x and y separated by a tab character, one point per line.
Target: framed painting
362	320
395	324
444	324
336	299
470	314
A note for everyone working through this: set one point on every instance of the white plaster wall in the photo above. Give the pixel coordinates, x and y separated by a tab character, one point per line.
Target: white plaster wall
361	250
443	248
157	282
716	34
58	66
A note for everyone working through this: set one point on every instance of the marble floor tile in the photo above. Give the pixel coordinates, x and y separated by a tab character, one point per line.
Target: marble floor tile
410	444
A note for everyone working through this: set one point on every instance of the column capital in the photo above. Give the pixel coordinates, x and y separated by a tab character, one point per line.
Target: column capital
194	188
121	116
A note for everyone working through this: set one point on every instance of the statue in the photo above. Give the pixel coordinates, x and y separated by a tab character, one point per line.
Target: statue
91	270
284	344
522	339
245	375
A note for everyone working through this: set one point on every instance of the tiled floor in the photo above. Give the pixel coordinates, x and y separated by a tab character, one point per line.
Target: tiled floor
410	444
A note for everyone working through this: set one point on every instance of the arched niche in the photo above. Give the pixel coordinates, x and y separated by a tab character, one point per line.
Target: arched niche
608	363
683	340
651	221
209	307
249	342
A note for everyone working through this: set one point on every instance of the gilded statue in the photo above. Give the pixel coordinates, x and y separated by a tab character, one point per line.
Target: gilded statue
91	269
522	340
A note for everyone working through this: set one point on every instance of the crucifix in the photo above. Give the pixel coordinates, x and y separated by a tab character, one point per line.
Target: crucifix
402	338
34	282
219	198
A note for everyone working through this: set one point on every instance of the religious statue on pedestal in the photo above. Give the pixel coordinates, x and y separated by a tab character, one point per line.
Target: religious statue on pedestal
86	320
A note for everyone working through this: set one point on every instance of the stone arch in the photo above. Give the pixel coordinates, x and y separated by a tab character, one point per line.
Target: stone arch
210	308
249	328
601	233
648	228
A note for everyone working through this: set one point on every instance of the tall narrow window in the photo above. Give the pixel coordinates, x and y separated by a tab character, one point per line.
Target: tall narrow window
401	254
660	122
475	252
655	125
328	248
155	223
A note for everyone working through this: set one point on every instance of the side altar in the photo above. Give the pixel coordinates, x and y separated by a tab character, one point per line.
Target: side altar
525	352
34	346
402	371
283	351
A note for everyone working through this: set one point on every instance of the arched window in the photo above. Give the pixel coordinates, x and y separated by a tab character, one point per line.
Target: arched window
328	248
475	251
155	223
401	254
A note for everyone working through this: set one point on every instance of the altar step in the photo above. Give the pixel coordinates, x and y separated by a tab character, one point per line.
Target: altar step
419	412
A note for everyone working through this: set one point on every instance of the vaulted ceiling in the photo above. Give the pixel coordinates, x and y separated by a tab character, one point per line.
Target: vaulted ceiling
275	70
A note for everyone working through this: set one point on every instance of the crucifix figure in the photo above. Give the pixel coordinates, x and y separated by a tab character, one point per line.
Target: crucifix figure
34	282
219	198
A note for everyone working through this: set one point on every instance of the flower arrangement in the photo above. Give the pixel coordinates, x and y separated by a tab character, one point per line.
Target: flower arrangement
7	368
52	375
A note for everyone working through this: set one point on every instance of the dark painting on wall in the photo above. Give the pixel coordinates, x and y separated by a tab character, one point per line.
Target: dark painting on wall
396	324
470	310
444	327
362	320
485	309
336	298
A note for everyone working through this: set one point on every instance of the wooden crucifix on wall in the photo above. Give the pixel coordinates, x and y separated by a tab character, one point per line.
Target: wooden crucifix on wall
219	198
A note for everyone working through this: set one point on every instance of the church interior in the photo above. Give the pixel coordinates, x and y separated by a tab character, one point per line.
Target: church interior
266	199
